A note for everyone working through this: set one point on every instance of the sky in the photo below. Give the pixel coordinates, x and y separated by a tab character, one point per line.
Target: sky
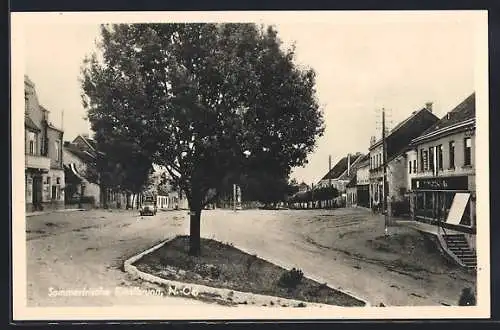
361	66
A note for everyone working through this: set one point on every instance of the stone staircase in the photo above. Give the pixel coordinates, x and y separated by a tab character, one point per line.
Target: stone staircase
458	245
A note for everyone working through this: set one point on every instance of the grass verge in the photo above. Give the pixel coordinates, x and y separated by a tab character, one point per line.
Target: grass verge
224	266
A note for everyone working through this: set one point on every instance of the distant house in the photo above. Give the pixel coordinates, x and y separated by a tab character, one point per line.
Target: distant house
82	179
303	187
397	143
340	174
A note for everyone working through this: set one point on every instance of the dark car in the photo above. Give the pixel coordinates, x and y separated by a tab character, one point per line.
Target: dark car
148	208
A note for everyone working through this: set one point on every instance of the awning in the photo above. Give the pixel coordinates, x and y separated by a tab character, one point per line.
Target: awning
457	208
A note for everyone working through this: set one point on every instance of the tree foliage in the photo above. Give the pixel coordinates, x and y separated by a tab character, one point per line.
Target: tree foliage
209	102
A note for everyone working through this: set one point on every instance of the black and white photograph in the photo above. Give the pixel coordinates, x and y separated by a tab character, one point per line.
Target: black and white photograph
260	165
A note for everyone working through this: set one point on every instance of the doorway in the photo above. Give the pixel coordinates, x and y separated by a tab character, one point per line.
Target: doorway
37	193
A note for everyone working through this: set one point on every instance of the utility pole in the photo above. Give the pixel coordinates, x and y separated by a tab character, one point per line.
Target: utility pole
329	176
312	195
234	197
384	156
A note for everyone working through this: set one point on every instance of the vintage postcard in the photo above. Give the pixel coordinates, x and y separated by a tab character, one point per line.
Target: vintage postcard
250	165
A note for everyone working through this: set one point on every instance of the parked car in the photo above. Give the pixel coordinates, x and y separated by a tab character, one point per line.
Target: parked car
148	208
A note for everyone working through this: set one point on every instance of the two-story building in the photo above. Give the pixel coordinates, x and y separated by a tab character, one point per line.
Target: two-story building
396	144
443	172
44	173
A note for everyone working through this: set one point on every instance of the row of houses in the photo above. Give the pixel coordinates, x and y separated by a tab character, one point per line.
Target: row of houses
430	172
61	174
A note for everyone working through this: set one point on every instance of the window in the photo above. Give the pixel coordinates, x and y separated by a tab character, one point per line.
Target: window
424	159
467	151
421	160
54	192
431	159
414	166
32	143
26	108
439	157
452	154
409	167
48	180
56	150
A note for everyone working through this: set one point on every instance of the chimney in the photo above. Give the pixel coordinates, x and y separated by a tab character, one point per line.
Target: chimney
348	164
428	106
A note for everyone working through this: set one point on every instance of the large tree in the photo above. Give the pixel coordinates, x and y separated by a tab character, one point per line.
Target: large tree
207	101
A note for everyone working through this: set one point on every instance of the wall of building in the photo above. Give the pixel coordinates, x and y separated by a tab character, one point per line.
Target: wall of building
363	175
55	153
351	199
411	170
460	168
397	179
32	109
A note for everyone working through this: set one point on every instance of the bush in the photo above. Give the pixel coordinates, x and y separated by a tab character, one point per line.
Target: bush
290	279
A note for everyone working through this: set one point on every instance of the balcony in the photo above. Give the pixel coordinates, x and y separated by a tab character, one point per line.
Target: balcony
37	162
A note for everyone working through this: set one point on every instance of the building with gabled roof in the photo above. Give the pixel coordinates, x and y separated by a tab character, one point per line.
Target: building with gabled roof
441	166
341	174
397	142
44	174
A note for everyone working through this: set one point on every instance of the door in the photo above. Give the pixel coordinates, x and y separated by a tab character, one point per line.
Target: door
37	191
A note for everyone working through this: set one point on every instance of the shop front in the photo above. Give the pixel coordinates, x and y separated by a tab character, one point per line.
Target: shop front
445	201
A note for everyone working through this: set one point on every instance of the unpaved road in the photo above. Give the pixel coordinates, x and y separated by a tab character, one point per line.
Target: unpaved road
343	247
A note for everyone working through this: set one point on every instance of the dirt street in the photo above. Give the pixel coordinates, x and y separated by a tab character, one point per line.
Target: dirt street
345	248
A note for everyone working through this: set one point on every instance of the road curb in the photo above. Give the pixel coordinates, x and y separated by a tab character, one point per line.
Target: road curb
238	297
32	214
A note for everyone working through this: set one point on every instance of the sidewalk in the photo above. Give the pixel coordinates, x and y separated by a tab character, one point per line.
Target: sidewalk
31	214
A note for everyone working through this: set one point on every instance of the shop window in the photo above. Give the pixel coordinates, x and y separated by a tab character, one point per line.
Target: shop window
54	192
467	151
419	204
452	154
429	204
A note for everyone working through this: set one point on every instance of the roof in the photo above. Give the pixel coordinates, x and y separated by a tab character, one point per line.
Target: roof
82	154
463	112
54	128
401	136
90	142
29	123
43	108
340	167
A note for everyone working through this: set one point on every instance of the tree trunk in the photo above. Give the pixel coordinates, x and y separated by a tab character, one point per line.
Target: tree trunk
194	232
